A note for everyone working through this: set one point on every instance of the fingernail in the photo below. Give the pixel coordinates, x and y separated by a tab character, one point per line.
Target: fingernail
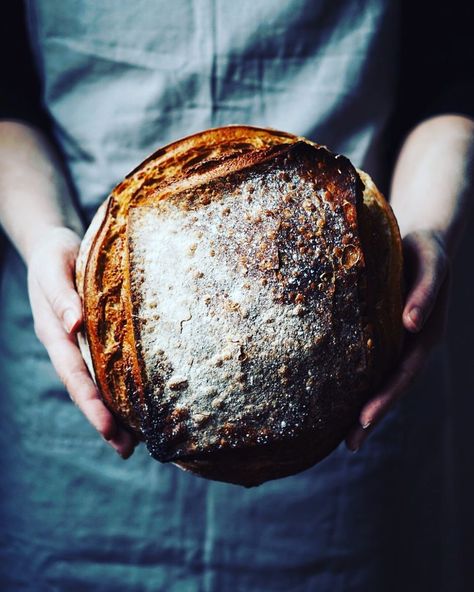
69	319
366	425
416	317
354	450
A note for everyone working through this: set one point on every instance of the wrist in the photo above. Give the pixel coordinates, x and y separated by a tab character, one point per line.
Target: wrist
433	181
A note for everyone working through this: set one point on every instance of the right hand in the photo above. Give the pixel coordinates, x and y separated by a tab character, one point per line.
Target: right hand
57	315
424	317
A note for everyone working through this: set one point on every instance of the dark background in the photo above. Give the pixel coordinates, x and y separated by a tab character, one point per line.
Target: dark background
461	358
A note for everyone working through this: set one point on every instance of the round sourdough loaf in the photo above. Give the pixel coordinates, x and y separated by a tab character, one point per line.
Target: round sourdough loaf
242	300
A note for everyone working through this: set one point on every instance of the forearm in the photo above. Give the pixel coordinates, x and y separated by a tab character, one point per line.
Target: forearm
34	194
433	181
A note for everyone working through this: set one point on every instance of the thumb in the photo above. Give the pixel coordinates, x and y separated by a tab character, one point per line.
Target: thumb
427	265
57	281
66	304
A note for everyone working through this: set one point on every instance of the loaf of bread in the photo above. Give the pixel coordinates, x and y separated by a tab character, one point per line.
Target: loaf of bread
242	300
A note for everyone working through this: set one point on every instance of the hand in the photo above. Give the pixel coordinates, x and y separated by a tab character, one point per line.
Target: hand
57	314
424	317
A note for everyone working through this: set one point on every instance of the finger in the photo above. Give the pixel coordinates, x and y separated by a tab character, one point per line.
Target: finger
43	314
427	263
85	394
375	409
57	283
62	296
69	365
408	368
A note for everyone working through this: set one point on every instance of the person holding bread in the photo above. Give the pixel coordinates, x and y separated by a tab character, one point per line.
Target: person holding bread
91	90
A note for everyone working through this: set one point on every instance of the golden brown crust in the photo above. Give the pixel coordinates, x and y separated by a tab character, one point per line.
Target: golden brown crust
351	320
383	247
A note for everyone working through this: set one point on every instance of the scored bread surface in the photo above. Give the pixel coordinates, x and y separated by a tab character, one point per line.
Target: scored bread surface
229	304
100	265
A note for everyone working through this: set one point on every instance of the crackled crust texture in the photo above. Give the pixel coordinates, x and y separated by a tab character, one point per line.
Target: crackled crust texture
242	299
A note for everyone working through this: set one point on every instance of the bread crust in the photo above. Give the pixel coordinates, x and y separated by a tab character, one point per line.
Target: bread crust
245	432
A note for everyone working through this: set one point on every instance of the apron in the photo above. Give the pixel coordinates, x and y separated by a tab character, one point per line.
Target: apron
120	79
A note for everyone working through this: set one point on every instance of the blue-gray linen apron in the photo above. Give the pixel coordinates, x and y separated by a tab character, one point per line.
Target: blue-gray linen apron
120	79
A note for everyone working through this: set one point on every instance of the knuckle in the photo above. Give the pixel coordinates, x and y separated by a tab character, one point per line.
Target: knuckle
61	300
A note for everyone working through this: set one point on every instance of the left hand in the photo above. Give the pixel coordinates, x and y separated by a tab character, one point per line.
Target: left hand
57	314
424	316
